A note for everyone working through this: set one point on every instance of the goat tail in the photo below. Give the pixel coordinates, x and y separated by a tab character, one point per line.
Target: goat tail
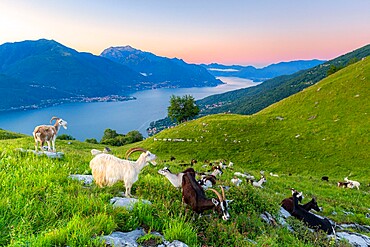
98	172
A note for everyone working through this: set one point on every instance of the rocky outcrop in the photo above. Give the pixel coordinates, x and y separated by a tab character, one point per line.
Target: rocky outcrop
128	239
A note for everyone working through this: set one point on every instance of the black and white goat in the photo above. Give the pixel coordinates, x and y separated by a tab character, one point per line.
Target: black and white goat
310	219
207	181
194	196
48	133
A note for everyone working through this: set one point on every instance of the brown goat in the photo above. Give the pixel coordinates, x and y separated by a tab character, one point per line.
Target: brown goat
48	133
194	196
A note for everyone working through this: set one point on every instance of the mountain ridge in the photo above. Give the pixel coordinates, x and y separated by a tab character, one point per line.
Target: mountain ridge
162	70
261	74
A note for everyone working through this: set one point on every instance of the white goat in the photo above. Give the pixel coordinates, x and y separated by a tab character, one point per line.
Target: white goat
259	183
48	133
175	179
237	181
247	176
352	183
108	169
273	175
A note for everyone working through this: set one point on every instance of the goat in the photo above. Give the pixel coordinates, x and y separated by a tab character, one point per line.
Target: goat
343	184
48	133
175	179
325	178
247	176
287	203
194	196
259	183
216	170
237	181
352	183
309	218
207	181
108	169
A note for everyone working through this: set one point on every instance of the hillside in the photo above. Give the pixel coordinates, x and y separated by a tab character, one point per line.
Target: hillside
163	71
324	124
261	74
322	130
253	99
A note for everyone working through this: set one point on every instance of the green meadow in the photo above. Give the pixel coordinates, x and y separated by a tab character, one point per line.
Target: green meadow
321	131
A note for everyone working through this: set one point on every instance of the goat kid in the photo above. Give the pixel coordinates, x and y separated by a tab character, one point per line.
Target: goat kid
309	218
108	169
48	133
194	196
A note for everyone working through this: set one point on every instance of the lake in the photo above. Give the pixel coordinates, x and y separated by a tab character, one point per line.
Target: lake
89	120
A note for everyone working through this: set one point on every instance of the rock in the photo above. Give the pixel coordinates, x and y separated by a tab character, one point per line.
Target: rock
121	239
49	154
355	239
354	226
86	179
127	203
128	239
266	216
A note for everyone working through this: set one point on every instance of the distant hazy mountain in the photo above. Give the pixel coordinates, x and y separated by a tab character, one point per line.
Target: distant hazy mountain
253	99
262	74
44	72
163	71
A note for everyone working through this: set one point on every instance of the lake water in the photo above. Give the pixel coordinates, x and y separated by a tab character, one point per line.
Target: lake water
89	120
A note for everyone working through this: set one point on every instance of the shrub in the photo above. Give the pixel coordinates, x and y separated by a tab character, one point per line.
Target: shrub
65	137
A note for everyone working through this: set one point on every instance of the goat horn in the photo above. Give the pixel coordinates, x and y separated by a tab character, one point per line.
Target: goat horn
132	150
53	119
223	192
218	194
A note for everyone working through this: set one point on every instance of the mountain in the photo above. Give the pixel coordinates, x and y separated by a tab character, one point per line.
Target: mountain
163	71
253	99
45	70
262	74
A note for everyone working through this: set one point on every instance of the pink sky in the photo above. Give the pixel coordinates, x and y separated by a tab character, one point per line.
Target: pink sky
199	31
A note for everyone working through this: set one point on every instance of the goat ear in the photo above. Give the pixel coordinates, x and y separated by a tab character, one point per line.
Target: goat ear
215	201
229	201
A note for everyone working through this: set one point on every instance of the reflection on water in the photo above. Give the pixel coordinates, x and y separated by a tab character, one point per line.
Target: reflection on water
89	120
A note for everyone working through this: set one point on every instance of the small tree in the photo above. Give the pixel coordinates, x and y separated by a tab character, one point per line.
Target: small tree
182	108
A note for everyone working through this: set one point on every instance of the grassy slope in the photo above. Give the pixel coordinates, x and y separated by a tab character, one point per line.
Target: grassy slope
40	206
253	99
331	119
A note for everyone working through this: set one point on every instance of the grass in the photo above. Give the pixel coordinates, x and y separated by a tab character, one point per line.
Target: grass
324	131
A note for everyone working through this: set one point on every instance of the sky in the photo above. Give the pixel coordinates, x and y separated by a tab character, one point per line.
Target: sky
244	32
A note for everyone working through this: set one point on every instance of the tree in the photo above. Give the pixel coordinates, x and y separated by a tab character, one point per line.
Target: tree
111	137
182	108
